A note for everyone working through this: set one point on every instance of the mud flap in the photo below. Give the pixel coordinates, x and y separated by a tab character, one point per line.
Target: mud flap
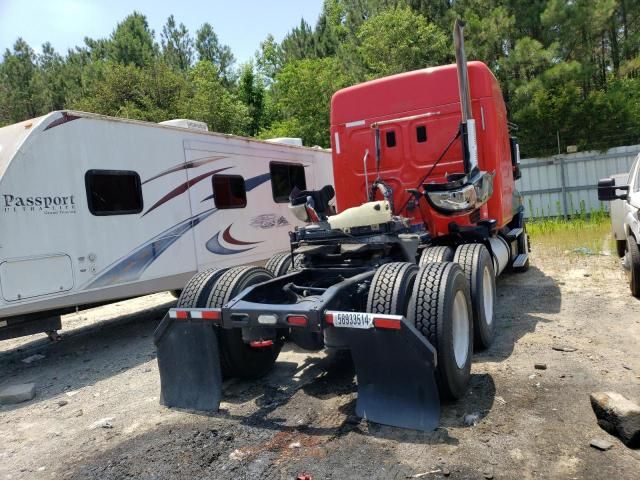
189	364
396	377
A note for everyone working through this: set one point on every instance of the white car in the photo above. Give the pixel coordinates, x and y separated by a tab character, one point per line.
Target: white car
630	214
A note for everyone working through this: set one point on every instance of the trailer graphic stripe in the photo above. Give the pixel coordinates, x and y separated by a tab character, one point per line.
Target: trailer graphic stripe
184	166
214	246
180	189
226	236
130	267
66	117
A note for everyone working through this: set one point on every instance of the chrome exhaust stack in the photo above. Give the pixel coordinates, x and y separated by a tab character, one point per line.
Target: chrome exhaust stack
468	124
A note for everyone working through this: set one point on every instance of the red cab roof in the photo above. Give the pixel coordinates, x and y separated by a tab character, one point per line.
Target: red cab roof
397	94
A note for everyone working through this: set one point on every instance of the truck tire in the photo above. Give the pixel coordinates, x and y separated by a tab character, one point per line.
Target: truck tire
237	359
391	288
196	292
477	264
621	247
297	264
279	264
436	254
634	266
440	308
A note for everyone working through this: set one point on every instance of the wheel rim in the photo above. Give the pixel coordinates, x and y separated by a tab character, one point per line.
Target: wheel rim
487	293
460	329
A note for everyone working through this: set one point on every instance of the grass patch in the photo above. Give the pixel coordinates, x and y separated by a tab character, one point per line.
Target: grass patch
580	235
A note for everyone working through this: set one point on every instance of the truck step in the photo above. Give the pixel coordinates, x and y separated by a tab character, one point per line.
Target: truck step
520	260
515	233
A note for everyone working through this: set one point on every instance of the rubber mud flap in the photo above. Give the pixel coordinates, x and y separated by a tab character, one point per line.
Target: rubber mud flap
396	377
189	364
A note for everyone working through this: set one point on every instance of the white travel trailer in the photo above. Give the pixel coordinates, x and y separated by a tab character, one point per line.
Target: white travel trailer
96	209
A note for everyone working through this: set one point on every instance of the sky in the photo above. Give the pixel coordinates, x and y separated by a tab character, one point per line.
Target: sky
241	24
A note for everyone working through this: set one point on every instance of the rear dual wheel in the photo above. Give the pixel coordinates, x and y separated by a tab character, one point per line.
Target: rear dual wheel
237	359
440	308
212	289
438	253
435	298
281	263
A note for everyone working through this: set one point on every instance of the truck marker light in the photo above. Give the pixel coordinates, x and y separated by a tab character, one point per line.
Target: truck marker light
328	318
387	323
215	315
297	320
357	123
261	343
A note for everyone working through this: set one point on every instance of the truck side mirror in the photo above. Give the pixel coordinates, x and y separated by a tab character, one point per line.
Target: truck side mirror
607	190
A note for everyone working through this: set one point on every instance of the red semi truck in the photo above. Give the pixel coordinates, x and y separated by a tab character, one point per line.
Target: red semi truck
403	276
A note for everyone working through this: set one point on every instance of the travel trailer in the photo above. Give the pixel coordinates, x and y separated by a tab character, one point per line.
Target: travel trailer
96	209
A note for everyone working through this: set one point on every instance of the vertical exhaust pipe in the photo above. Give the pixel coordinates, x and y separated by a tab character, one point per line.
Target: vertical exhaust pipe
463	72
468	124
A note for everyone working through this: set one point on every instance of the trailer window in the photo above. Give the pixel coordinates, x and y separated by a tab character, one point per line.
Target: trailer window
284	177
229	191
113	192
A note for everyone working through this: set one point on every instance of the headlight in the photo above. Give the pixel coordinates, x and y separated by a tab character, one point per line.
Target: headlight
454	200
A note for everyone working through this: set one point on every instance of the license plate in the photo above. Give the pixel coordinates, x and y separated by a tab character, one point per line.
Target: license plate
352	320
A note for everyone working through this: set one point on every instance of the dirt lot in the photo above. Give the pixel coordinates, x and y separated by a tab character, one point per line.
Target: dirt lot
533	423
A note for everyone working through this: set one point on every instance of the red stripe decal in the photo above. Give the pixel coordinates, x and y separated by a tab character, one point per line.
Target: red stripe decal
387	323
182	315
226	236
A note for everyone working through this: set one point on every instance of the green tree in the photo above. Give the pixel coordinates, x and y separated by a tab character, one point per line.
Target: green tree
17	74
302	95
152	94
398	40
211	50
49	80
299	43
269	59
132	42
177	45
209	101
251	92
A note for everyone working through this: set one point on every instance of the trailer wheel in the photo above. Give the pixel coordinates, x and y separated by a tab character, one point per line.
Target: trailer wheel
477	264
436	254
238	359
279	264
440	308
391	288
634	266
621	248
196	292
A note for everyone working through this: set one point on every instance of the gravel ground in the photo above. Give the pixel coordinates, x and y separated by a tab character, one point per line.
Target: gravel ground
96	413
